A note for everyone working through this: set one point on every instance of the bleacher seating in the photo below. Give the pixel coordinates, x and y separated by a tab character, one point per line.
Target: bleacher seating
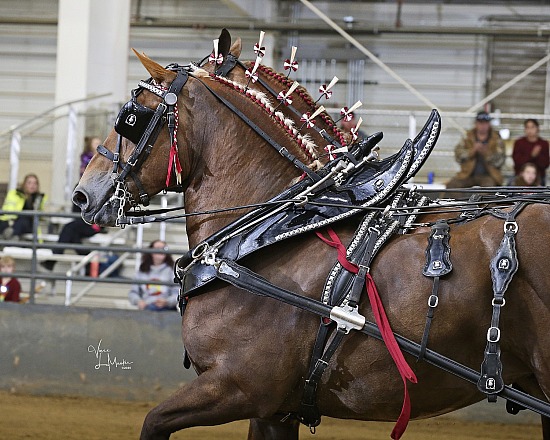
112	295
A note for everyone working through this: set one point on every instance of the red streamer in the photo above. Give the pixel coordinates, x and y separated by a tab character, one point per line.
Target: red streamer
383	324
174	161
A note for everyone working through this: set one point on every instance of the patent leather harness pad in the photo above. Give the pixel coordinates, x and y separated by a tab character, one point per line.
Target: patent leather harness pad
438	262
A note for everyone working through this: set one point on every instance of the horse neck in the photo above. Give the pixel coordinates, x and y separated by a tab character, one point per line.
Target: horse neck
232	165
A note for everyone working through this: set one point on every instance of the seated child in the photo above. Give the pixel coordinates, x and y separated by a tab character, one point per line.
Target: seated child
9	286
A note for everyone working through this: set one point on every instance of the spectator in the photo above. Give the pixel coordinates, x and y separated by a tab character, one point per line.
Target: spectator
75	231
528	176
155	267
26	197
9	286
90	147
480	155
531	148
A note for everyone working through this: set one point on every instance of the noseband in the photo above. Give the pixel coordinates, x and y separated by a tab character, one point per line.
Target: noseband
141	125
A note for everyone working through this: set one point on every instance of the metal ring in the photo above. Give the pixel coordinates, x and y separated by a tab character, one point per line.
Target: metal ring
303	201
199	250
502	304
497	338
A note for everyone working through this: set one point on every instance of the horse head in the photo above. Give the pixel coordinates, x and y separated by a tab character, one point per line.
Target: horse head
124	169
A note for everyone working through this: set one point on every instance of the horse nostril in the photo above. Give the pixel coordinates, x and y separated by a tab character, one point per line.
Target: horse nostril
80	199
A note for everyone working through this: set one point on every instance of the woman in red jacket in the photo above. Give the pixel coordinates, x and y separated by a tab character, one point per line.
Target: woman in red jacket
531	148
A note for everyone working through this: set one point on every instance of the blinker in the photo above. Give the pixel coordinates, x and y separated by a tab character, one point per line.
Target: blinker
132	120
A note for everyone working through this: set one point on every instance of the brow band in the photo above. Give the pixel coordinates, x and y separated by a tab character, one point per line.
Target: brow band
153	89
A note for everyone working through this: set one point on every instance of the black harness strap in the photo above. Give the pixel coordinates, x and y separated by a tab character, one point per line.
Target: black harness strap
363	263
115	158
362	256
148	137
246	279
309	413
504	265
165	109
229	62
438	263
151	132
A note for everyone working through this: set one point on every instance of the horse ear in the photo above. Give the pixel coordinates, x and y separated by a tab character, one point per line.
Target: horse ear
224	42
157	72
236	48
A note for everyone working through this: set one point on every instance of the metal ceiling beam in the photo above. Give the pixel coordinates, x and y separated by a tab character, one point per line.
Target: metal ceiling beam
318	27
308	26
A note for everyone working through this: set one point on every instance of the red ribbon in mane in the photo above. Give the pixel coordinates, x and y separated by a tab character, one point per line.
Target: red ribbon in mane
385	329
174	161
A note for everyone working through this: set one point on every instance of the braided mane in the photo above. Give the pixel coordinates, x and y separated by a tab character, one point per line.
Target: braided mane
306	97
305	141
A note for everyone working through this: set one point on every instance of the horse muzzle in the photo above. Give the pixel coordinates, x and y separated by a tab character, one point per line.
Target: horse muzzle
96	202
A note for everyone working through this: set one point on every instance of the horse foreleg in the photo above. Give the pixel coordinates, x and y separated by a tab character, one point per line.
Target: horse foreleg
208	400
273	429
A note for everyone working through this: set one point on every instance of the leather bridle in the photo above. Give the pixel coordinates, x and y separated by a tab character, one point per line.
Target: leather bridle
141	125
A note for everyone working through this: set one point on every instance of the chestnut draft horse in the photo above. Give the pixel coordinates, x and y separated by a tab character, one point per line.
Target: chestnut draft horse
251	352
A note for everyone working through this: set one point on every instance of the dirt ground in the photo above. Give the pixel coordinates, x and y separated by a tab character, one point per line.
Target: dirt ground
80	418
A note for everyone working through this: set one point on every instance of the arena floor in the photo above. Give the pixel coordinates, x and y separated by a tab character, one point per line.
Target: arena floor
80	418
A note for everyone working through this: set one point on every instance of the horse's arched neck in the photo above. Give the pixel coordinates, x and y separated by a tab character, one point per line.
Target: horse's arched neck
232	182
232	166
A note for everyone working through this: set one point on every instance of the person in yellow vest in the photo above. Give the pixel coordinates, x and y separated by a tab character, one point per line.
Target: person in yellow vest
26	197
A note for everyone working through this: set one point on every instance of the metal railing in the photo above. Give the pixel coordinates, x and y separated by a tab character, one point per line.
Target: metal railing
78	262
31	125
